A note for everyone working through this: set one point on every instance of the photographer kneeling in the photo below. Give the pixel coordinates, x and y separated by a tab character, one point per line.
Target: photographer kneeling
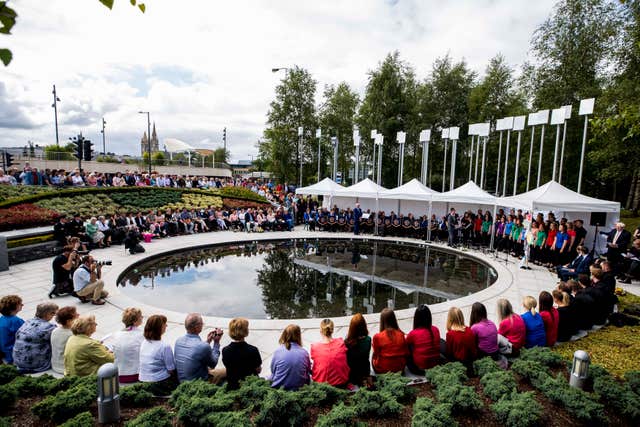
64	266
87	283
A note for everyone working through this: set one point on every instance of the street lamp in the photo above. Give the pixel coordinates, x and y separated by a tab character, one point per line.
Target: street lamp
148	138
104	149
55	111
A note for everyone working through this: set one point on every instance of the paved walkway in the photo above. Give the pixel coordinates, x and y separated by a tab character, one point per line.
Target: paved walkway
32	282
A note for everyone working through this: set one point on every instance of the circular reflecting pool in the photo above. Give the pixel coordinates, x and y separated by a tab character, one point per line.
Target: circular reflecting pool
288	279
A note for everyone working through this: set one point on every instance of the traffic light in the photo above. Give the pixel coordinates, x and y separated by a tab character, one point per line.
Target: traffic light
87	150
78	149
8	159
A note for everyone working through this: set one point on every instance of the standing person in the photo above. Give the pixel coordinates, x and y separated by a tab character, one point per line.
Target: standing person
461	342
485	331
290	364
534	324
452	222
240	358
60	335
193	356
511	331
126	346
358	344
157	364
32	349
357	214
617	241
83	355
389	345
423	342
550	317
10	306
87	282
329	357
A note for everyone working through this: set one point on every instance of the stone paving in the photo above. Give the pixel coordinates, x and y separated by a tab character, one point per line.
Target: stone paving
32	281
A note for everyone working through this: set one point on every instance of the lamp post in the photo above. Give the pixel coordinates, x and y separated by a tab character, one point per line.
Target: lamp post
319	136
334	143
508	123
379	142
356	143
374	135
579	369
300	134
557	118
518	125
454	134
148	138
445	135
401	138
533	121
108	394
104	145
543	119
425	136
567	116
55	111
586	109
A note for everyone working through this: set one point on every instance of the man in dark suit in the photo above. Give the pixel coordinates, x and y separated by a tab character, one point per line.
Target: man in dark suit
249	220
617	241
357	214
580	265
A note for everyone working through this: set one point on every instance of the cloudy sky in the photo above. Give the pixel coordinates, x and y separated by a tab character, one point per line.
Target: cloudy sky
201	65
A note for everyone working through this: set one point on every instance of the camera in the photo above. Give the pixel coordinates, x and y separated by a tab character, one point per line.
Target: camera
107	262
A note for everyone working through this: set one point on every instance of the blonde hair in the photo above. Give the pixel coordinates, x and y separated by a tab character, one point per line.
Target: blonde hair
326	327
455	319
238	328
505	310
130	316
530	304
82	325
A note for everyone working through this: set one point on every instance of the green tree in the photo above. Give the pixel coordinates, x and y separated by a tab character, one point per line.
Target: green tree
293	107
389	106
58	152
221	156
158	158
337	115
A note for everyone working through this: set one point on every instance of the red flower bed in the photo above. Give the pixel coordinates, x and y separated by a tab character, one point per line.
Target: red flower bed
242	204
26	215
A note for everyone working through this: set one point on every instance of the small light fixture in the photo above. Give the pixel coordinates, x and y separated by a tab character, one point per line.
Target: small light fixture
579	369
108	394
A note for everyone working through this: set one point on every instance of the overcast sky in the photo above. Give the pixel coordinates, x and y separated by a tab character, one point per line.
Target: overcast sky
201	65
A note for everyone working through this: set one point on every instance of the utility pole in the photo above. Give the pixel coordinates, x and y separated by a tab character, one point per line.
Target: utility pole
224	141
55	111
104	149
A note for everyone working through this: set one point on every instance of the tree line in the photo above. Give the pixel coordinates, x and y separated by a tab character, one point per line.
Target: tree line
584	49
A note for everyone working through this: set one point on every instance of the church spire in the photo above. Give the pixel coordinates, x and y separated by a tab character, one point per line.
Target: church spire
154	136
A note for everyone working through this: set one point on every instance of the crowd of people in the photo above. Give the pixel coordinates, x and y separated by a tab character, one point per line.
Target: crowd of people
141	354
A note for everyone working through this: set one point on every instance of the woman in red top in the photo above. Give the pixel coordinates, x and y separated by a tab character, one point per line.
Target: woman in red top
423	342
550	317
461	342
549	246
570	253
512	330
329	358
389	346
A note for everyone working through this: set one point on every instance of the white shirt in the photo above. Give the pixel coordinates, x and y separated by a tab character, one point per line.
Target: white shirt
59	337
126	349
156	360
81	278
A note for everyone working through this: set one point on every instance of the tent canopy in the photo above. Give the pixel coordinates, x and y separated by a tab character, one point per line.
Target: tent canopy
412	190
174	145
554	196
365	188
467	193
325	187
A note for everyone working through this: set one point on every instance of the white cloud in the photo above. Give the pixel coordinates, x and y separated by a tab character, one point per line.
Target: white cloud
199	66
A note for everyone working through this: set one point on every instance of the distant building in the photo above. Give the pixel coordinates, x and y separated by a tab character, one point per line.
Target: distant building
144	142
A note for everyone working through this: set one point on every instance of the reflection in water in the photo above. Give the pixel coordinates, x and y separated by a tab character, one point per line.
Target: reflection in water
304	278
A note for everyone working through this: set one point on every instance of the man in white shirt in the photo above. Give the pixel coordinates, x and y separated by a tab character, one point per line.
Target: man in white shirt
87	282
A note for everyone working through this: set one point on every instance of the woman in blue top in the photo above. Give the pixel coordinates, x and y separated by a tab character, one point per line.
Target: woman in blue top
561	245
10	306
533	323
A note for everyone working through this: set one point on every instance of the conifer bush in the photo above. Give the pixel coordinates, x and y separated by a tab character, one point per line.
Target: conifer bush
136	395
66	404
619	395
320	394
375	403
428	413
156	417
7	373
83	419
280	408
396	385
498	384
542	355
518	410
485	365
340	416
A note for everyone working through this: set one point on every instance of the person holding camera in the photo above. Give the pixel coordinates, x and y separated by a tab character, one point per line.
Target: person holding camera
193	356
87	283
64	266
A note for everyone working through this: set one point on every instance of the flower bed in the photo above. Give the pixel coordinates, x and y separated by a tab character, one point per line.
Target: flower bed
26	215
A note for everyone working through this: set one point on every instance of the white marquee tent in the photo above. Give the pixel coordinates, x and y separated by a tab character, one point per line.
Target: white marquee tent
411	197
366	192
173	145
326	187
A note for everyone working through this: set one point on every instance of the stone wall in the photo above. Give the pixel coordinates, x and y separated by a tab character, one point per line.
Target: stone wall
32	252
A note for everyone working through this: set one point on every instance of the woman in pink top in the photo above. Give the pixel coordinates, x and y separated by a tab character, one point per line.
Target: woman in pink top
329	358
485	331
550	317
423	342
512	331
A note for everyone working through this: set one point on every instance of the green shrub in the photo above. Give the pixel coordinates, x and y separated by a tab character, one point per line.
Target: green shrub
450	372
497	384
8	397
620	396
595	371
518	410
156	417
633	379
136	395
252	392
580	403
427	413
65	404
8	373
194	411
461	397
16	243
280	408
241	193
83	419
485	365
86	205
145	200
190	389
340	416
534	372
542	355
6	421
375	403
28	386
8	192
396	385
320	394
228	419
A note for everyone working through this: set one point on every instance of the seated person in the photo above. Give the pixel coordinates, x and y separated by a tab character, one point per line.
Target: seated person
534	324
389	345
485	331
580	265
157	364
461	342
126	346
511	329
329	357
240	358
550	317
10	306
566	317
60	335
290	363
358	344
423	342
193	356
87	283
32	349
83	355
